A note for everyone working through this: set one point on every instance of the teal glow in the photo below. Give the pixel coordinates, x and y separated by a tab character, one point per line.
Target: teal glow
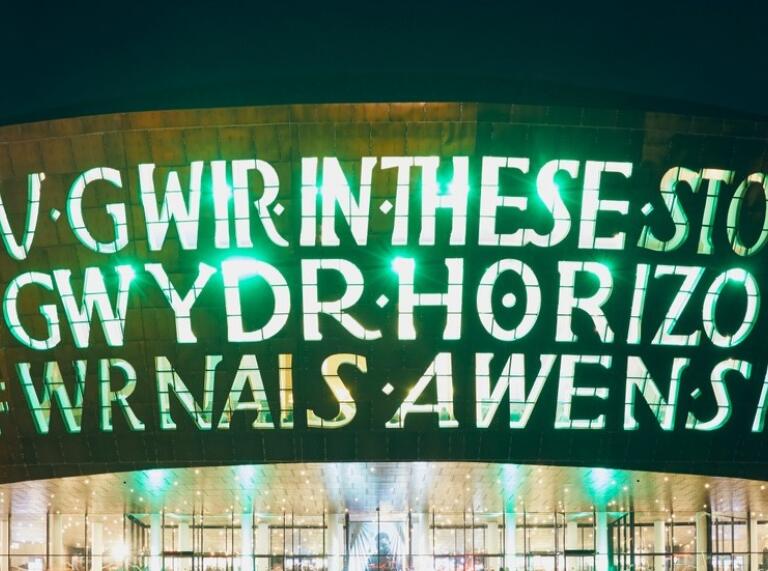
246	474
156	479
248	481
603	485
738	275
399	263
511	478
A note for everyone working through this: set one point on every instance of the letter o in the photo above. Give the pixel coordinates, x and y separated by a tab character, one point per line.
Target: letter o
485	303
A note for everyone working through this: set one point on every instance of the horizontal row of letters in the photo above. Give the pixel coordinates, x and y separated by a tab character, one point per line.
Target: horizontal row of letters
327	201
573	374
492	299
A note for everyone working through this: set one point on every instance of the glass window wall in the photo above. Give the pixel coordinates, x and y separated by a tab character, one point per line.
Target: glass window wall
529	541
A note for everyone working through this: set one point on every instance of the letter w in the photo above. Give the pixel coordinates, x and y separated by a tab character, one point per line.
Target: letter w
53	384
186	216
512	378
95	300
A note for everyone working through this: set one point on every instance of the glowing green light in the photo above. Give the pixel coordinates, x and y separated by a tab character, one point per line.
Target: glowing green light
737	275
245	473
400	264
156	479
602	485
510	479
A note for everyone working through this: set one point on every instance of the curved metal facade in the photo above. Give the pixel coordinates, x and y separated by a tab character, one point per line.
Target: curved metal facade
385	282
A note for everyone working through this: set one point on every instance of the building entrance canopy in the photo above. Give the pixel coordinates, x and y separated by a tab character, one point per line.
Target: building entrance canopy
414	515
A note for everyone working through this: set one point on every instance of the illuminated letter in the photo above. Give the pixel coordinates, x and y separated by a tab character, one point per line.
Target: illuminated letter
14	249
546	188
440	369
402	199
408	300
182	307
53	384
455	198
591	206
169	380
247	372
566	391
512	378
490	201
635	330
221	195
639	379
485	300
592	305
715	177
48	311
749	283
186	216
549	194
668	188
285	377
115	210
95	300
313	307
107	396
234	271
734	214
722	398
347	406
241	197
333	191
664	335
758	424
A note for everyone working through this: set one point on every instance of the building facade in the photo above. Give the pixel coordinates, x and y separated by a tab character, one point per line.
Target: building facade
383	336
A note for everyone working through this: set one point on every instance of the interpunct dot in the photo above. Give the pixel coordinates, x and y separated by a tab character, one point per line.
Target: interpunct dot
509	300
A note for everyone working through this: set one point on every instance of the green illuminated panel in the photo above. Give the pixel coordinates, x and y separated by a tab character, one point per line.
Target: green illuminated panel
16	250
49	312
669	183
95	301
752	292
108	397
441	369
664	335
347	406
734	217
233	272
53	385
592	305
485	296
592	205
333	192
116	211
313	307
722	397
247	374
185	213
169	382
182	307
420	274
639	380
567	391
408	299
512	379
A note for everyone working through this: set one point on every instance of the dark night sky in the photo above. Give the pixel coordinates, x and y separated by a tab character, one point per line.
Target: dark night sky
59	60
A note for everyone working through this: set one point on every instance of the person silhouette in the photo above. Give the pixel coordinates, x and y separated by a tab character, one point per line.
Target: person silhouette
383	559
